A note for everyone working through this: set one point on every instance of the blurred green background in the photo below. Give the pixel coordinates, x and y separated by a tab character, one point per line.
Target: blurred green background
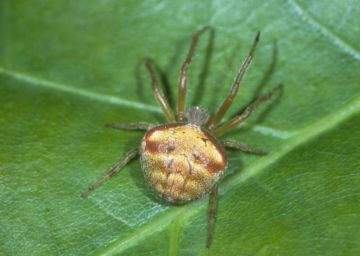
69	67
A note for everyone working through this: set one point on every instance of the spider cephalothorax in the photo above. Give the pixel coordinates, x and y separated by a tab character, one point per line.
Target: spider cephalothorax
183	160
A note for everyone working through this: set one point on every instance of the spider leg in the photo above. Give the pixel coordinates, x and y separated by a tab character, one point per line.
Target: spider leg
212	213
235	86
157	93
112	172
183	76
242	147
132	126
227	126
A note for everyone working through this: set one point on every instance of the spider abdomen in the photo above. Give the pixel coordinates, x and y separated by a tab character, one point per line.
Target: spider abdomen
181	162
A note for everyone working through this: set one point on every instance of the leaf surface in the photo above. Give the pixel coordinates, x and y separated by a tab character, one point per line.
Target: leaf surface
68	68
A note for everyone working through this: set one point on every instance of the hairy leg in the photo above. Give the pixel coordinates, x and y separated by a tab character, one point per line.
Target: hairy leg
112	172
212	213
182	88
232	123
235	87
157	93
132	126
242	147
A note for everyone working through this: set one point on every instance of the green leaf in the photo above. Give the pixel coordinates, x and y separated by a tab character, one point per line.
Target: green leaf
69	67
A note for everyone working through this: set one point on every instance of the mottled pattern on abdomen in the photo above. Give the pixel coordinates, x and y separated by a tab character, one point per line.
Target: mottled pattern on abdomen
181	162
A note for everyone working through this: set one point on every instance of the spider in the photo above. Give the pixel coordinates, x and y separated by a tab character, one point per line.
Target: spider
183	159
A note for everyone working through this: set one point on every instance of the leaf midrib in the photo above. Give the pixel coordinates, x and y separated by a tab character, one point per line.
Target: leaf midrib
256	168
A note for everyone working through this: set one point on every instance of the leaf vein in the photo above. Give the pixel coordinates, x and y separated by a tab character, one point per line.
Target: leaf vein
267	131
75	91
334	38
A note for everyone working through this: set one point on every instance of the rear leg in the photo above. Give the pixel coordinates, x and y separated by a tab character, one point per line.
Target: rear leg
212	213
112	172
131	126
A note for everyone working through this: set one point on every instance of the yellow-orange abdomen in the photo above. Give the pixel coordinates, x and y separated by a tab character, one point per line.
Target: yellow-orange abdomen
181	161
